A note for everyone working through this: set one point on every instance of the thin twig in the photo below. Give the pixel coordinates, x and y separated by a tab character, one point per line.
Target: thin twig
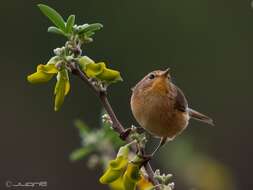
117	126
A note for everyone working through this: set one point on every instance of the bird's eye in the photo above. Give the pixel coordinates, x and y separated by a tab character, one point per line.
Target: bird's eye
151	76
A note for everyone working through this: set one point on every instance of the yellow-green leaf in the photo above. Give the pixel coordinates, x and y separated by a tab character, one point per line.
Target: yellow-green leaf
44	74
67	88
117	184
92	70
83	61
115	170
131	176
39	77
49	68
62	88
109	75
110	176
99	71
59	94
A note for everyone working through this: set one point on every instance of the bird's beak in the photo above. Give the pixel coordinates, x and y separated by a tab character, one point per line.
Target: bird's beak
165	72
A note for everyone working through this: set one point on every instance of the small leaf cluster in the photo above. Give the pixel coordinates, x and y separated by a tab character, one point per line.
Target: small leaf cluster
70	57
68	28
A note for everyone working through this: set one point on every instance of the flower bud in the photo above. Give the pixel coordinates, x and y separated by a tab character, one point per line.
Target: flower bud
59	51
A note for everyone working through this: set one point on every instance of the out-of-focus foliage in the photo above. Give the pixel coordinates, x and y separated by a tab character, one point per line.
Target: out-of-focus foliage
196	169
101	141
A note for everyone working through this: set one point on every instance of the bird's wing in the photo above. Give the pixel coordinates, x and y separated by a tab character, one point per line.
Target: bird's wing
180	100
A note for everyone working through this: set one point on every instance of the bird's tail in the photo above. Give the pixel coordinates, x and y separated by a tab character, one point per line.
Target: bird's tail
200	117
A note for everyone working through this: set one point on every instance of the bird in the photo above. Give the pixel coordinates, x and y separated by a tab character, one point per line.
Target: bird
161	108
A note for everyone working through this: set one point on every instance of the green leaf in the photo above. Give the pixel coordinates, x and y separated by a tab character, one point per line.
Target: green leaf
53	15
91	28
55	30
80	153
70	23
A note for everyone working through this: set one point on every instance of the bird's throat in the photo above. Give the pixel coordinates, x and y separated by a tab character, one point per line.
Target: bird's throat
160	86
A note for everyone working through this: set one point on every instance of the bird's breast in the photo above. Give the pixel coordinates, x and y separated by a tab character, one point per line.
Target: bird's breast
156	113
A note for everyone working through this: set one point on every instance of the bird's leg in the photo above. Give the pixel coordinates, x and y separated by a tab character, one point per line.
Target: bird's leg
162	142
147	157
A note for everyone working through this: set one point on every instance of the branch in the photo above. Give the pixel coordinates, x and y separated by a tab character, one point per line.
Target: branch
117	126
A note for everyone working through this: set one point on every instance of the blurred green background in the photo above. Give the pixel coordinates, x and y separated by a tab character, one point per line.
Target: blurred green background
206	43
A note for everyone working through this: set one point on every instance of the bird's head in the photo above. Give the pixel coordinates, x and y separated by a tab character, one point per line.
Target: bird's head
156	81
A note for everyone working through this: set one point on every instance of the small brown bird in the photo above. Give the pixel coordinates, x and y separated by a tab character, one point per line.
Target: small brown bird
161	108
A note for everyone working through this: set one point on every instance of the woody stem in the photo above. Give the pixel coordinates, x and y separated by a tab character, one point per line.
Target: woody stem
117	126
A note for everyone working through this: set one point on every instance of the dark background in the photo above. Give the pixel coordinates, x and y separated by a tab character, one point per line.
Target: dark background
206	43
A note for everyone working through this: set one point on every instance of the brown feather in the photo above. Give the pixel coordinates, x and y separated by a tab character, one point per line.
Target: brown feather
200	117
181	103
